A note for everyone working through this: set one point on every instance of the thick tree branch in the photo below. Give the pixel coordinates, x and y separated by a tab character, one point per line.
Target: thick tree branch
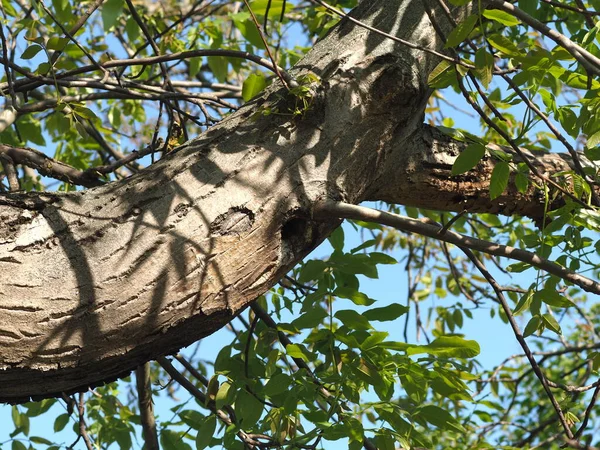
97	282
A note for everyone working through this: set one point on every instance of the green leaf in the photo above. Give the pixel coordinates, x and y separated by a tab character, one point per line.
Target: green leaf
243	22
501	17
504	44
355	430
524	303
84	112
461	32
448	347
440	418
40	440
225	395
358	298
385	441
531	7
259	7
310	319
373	340
56	43
17	445
468	158
278	384
553	298
532	326
253	85
61	422
111	10
219	65
336	239
248	410
521	182
593	140
206	432
442	76
353	320
31	51
170	440
299	351
312	270
499	179
484	61
35	409
382	258
192	418
551	323
386	313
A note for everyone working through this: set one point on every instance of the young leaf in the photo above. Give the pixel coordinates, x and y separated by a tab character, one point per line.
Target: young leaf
253	85
31	51
468	158
532	326
353	320
501	17
336	239
247	409
503	44
499	179
386	313
551	323
448	346
461	32
111	10
206	431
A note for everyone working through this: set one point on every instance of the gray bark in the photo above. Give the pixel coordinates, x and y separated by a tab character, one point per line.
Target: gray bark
95	283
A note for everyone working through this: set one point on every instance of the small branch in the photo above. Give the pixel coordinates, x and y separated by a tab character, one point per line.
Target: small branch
513	144
30	81
76	27
555	131
144	391
519	335
49	167
325	210
109	168
199	395
67	33
82	425
588	412
573	389
10	171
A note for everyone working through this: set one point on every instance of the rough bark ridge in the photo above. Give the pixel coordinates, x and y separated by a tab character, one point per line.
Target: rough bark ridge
94	283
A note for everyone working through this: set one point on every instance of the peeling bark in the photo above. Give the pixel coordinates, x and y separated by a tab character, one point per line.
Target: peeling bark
95	283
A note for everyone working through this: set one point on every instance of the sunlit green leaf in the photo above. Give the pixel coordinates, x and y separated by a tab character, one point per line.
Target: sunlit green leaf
468	158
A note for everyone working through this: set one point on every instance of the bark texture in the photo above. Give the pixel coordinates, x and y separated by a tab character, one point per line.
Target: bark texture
95	283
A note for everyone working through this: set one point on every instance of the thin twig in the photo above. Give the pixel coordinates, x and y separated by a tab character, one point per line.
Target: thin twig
144	390
328	209
82	425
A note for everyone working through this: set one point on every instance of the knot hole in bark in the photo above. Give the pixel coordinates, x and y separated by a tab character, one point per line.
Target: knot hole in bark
237	220
296	236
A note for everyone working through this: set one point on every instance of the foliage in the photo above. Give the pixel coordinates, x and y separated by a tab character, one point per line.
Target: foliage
311	362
